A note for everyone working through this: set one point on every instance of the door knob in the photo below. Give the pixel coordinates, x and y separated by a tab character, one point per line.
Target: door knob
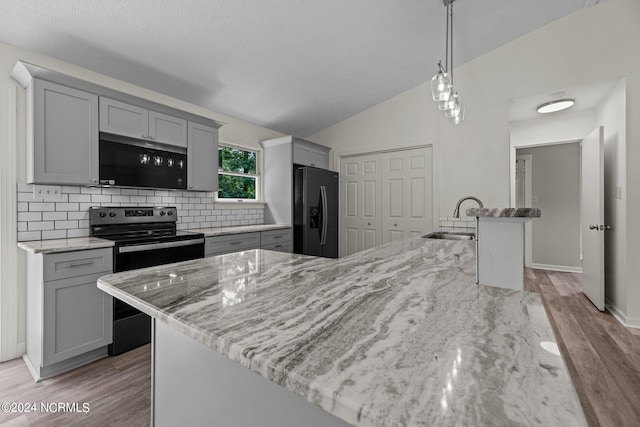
395	225
593	227
368	223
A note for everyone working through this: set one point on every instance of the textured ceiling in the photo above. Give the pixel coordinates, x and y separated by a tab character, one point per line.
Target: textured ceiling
295	66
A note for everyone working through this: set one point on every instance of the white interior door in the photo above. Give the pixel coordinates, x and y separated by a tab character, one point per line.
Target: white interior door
360	222
592	213
406	193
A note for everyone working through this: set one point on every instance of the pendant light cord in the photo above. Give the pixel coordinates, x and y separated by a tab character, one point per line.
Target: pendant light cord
451	15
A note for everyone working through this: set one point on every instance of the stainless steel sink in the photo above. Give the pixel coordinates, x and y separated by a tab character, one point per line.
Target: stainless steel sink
450	235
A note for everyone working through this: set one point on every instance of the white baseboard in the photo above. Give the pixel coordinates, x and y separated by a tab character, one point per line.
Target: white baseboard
621	317
565	268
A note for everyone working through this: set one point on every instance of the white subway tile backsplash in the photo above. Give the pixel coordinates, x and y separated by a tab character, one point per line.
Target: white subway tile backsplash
66	225
79	197
80	232
29	216
67	207
24	236
54	216
69	216
39	225
90	190
41	206
54	234
100	198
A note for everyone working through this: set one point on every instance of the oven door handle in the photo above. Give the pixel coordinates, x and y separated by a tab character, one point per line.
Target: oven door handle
163	245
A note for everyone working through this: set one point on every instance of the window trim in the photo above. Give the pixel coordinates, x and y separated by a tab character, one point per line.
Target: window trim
257	176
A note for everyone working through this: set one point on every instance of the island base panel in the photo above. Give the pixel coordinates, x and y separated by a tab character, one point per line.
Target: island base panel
196	386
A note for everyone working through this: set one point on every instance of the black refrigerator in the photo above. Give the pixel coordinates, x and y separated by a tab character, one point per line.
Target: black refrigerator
315	211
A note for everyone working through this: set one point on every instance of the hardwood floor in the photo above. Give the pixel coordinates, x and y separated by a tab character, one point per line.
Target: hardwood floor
603	356
117	389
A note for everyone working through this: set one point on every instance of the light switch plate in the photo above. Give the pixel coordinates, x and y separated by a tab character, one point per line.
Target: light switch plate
619	193
47	192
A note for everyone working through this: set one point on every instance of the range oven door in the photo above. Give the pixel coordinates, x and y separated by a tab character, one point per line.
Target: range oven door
127	162
131	327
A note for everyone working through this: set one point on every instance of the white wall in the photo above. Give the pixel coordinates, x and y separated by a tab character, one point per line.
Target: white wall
234	131
556	185
553	128
591	45
611	115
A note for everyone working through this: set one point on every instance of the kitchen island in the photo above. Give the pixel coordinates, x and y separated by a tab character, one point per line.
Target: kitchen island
396	335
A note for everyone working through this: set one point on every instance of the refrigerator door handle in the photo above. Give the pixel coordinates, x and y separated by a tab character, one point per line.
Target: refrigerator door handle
323	194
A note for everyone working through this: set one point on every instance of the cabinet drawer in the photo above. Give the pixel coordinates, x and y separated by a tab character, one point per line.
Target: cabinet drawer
275	236
217	245
79	263
284	246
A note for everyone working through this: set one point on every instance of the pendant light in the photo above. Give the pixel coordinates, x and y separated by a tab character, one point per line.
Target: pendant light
442	89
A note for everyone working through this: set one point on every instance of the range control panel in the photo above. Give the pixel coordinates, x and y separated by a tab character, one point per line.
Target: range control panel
131	215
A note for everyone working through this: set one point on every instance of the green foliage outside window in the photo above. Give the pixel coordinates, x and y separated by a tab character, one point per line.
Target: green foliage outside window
236	161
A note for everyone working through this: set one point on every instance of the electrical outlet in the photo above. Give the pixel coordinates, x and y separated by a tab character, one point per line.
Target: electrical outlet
619	193
47	192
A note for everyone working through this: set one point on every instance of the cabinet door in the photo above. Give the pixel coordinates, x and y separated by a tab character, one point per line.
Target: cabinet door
202	158
167	129
319	158
77	318
123	119
301	154
65	135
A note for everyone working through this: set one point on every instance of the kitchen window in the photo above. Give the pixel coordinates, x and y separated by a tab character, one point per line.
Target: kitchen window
238	174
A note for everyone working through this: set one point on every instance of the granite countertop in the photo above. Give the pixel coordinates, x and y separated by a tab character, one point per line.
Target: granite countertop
504	212
221	231
64	245
395	335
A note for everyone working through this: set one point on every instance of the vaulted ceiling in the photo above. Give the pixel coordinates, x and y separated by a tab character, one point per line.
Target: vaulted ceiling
295	66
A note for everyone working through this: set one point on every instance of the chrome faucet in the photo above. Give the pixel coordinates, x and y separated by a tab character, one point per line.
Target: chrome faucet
456	211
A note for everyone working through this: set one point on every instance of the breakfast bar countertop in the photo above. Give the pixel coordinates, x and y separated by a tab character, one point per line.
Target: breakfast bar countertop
396	335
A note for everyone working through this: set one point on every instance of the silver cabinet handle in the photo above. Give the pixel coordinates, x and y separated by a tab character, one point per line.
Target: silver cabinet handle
325	211
152	137
368	223
144	135
81	263
165	245
593	227
278	245
234	243
277	237
94	180
395	225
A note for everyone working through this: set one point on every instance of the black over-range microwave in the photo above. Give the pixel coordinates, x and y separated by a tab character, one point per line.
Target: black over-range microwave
130	162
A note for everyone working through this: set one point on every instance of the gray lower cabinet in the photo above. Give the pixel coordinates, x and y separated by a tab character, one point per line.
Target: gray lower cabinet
69	320
218	245
275	240
62	134
202	158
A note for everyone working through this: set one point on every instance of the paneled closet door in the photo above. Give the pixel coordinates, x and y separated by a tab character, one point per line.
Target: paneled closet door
407	193
361	205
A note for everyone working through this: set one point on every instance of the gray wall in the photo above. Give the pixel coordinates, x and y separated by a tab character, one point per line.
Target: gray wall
556	184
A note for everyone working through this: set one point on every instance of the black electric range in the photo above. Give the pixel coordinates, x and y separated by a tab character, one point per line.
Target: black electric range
144	237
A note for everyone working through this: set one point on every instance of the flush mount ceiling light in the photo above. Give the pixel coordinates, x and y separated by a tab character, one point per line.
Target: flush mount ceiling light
557	105
442	89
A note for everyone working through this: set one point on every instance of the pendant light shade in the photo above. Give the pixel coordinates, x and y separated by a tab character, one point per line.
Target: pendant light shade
440	85
442	90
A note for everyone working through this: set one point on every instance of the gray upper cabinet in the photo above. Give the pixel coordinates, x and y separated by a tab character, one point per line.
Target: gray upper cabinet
202	158
121	118
310	154
167	129
62	134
